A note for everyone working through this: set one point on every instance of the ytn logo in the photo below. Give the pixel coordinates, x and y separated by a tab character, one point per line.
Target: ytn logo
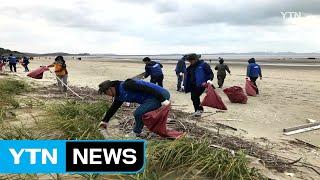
45	155
291	15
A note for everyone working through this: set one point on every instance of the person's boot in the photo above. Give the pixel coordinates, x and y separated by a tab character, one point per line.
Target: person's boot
198	113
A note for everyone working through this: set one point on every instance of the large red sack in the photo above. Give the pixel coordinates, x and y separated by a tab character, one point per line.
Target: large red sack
1	65
212	99
236	94
251	89
38	73
156	121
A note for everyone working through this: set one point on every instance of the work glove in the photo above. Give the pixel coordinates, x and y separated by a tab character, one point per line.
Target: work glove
210	82
103	129
103	125
165	103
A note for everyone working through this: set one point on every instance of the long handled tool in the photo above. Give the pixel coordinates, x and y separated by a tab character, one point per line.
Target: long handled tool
66	85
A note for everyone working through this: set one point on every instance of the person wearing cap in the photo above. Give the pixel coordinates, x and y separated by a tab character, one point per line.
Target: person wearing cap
148	95
154	70
254	72
221	74
180	70
60	69
198	73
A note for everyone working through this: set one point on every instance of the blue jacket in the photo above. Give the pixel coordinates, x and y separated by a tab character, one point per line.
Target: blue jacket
141	96
196	75
153	69
12	59
253	69
181	66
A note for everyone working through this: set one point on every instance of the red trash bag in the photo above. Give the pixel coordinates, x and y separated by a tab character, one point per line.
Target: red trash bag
251	89
1	65
212	99
156	121
38	73
236	94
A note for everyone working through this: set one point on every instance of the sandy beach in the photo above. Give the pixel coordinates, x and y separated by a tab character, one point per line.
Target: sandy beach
288	96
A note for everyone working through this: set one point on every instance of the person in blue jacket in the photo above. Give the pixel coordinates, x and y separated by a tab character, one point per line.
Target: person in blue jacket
153	69
12	63
180	70
148	95
26	63
197	74
254	72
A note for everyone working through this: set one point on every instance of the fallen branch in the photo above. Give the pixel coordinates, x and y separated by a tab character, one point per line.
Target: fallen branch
226	126
239	120
302	130
307	144
301	127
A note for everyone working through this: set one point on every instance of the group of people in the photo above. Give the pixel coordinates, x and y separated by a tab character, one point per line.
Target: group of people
13	61
151	95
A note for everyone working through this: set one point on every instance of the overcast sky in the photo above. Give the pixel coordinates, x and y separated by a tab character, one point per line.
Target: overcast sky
159	26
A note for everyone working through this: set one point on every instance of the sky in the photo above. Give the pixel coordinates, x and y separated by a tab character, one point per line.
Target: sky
160	26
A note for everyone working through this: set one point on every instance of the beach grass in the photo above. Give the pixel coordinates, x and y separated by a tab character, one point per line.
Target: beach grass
185	158
9	88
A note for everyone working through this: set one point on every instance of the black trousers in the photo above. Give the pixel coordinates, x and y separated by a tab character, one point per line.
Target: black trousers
157	80
26	68
13	65
195	97
221	80
254	79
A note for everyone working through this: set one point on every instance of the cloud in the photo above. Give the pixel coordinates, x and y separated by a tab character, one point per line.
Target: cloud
158	26
73	17
258	12
165	6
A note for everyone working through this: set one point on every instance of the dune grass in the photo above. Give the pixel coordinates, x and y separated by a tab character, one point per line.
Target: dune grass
185	158
75	120
166	159
8	89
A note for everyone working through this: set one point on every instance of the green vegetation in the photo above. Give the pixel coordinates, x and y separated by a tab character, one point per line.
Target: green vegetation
8	89
75	120
188	158
166	159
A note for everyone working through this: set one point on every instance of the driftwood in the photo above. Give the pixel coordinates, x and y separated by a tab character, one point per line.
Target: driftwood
307	143
239	120
311	120
301	127
226	126
302	130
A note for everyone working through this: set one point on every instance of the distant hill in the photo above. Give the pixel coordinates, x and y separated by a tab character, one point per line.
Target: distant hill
59	54
6	52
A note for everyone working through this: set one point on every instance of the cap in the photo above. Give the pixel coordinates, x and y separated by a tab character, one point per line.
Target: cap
105	85
193	56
